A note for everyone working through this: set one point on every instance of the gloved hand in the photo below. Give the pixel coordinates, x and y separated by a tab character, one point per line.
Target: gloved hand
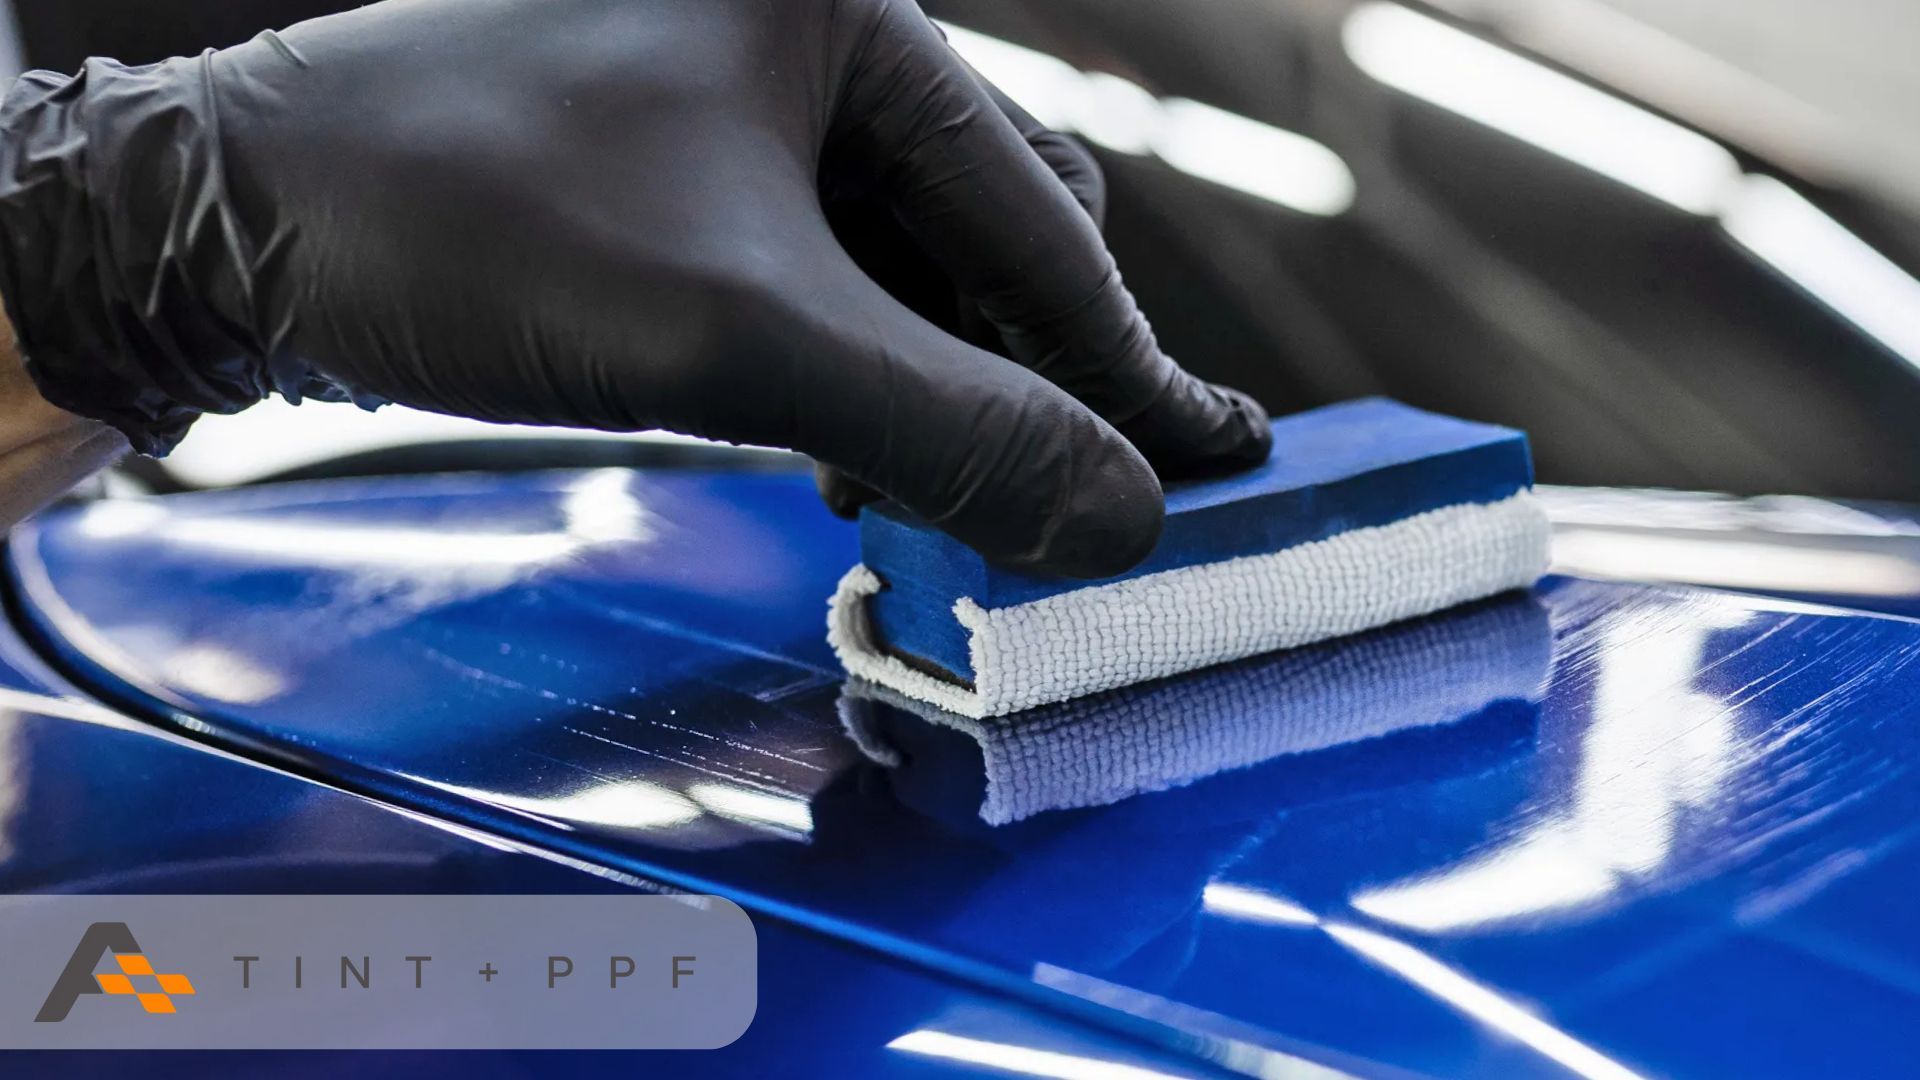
608	214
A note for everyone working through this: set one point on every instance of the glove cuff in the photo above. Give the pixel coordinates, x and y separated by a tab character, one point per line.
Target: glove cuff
114	240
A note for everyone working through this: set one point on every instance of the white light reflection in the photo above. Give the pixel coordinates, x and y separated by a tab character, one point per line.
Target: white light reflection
625	804
1233	1054
1464	74
1713	512
213	671
1485	83
1732	564
117	519
15	774
1044	85
1119	115
1259	159
782	812
1481	1003
359	547
275	437
1548	871
1024	1060
1204	142
598	508
1653	750
1781	228
1252	905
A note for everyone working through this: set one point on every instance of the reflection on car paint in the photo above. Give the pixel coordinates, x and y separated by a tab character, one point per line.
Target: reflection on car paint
1658	752
1106	747
92	800
1704	830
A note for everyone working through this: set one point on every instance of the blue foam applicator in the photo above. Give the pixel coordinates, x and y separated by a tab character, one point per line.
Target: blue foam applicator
1366	513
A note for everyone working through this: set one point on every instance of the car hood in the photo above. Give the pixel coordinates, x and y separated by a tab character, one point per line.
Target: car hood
1600	828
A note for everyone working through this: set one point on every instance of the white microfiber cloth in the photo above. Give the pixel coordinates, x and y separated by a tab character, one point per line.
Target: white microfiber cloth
1086	640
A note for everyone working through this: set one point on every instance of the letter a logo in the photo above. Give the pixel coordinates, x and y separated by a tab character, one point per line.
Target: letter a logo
77	977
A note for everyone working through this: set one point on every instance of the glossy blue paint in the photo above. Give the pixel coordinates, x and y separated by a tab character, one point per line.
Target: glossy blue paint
1479	670
94	801
1693	858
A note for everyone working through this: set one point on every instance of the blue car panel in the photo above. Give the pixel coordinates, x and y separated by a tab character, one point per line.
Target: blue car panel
93	801
1681	846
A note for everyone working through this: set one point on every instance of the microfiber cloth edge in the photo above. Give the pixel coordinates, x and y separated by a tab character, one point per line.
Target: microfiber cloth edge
1119	633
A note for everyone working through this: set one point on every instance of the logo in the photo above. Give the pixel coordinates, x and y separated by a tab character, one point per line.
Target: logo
154	991
324	972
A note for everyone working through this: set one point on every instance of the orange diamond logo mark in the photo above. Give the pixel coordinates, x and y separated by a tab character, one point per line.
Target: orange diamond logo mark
132	965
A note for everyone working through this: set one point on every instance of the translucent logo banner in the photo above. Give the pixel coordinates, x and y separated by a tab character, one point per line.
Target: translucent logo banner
375	972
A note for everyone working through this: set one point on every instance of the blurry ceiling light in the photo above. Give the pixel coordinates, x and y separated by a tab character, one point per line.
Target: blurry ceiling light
1481	1003
1252	905
1046	86
1258	159
1784	230
1117	114
1459	72
1202	141
1719	562
13	58
1531	102
1024	1060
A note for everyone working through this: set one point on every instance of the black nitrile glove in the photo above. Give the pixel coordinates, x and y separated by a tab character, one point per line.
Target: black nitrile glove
608	214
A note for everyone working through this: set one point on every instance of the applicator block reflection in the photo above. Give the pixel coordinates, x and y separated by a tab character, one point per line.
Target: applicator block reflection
1426	674
1366	513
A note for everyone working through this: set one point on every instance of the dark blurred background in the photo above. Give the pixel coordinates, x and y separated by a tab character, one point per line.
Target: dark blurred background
1676	241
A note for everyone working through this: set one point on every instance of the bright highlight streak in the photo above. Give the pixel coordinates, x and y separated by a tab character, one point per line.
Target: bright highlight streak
1548	872
1461	73
1485	83
1117	114
599	508
628	804
274	437
1481	1003
1018	1059
1258	159
1785	231
358	547
1252	905
1044	85
1204	142
755	807
1732	564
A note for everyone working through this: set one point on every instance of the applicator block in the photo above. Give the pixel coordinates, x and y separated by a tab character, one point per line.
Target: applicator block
1334	469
